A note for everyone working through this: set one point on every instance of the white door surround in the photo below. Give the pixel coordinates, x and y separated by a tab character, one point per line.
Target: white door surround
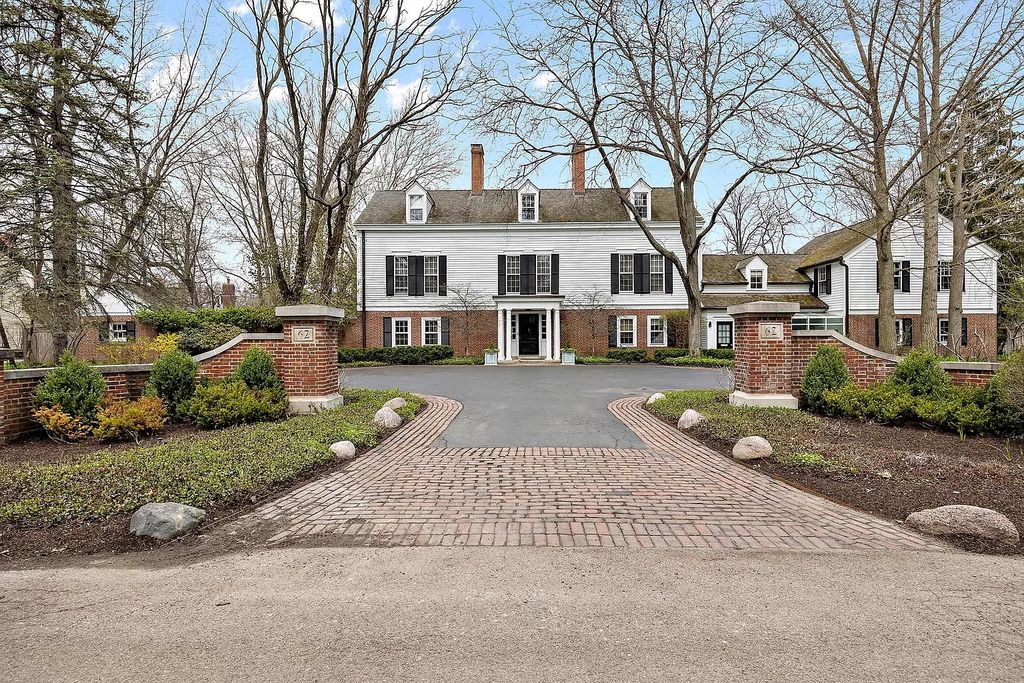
547	308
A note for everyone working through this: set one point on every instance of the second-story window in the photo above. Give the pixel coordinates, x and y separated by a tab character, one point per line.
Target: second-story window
945	275
417	208
543	273
822	275
626	273
757	279
657	274
430	279
641	202
528	206
512	274
401	275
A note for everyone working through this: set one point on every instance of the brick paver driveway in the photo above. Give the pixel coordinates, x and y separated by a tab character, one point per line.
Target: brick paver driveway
672	492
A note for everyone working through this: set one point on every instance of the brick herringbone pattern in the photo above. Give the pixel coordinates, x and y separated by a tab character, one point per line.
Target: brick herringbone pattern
679	493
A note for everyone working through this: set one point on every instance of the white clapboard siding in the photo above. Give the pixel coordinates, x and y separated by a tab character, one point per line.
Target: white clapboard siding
583	254
836	301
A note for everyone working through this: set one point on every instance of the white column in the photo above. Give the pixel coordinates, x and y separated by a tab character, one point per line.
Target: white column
501	334
551	334
508	334
558	333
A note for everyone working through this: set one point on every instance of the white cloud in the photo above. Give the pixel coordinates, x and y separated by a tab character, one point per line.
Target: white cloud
543	80
399	94
411	10
251	93
240	8
172	75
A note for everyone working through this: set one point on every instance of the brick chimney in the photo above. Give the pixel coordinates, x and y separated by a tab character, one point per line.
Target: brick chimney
579	168
477	168
227	294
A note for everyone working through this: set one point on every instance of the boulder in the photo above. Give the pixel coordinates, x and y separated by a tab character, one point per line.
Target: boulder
751	448
343	450
396	403
655	397
689	418
165	521
967	520
387	418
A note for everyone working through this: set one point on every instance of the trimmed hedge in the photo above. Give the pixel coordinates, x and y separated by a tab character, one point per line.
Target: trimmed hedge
396	355
249	318
628	355
698	361
725	354
721	354
594	360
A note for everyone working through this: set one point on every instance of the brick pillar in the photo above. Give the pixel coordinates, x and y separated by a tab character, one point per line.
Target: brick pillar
762	374
308	356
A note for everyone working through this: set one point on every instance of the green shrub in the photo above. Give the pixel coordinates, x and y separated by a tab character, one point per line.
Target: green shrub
130	419
206	337
886	403
249	318
173	379
231	402
1007	393
257	370
662	354
698	361
594	360
460	360
75	386
825	371
397	355
365	364
920	373
628	355
727	354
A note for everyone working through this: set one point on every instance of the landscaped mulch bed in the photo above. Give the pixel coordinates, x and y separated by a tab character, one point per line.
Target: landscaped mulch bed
39	448
891	471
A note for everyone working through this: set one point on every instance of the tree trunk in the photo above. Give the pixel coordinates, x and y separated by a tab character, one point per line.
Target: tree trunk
691	281
958	274
887	341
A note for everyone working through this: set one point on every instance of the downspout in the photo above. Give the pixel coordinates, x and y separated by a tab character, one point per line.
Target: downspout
846	301
362	280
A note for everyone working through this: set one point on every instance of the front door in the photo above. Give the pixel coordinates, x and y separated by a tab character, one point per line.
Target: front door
724	334
529	334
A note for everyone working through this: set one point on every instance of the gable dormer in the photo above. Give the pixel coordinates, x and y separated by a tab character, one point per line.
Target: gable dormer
640	197
755	272
417	203
528	201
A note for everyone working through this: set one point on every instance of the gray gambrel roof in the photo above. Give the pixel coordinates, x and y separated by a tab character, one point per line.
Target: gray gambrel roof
461	207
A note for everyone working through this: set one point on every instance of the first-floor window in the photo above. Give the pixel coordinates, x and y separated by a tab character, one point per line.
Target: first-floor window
627	330
401	275
904	332
656	331
400	329
819	322
430	279
943	330
431	331
657	274
117	332
543	273
626	273
512	274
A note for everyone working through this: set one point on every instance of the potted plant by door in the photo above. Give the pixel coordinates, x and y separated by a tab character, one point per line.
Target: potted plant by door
568	356
490	356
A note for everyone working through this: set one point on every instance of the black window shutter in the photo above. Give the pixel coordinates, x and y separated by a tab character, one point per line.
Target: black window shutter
445	328
638	273
670	268
387	331
878	339
906	276
643	274
389	265
528	274
103	332
613	332
501	274
878	280
130	328
615	273
670	331
908	332
442	276
963	331
963	285
554	273
814	281
828	279
416	276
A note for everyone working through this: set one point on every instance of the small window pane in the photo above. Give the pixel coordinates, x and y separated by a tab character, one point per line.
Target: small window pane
416	206
757	279
656	331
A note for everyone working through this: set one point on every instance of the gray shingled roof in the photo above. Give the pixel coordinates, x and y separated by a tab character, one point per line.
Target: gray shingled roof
832	245
456	207
806	301
727	269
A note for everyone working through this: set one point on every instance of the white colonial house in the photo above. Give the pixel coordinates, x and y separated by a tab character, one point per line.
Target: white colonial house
543	261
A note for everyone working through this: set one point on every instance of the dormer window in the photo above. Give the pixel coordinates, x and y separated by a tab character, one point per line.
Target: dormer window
641	202
417	208
757	279
528	203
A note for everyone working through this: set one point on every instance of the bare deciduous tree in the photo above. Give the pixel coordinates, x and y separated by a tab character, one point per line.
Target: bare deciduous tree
466	303
590	307
756	221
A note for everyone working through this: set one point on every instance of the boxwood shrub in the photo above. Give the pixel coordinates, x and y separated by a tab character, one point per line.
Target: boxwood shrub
75	386
396	355
726	354
662	354
698	361
628	355
825	371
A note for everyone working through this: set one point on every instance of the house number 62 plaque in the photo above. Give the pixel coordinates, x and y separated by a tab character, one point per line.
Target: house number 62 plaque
303	335
770	331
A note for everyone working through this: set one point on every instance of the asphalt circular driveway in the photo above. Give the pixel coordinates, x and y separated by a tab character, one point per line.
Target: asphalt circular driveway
549	405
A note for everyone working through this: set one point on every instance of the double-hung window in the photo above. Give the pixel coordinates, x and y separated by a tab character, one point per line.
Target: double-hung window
943	331
627	330
401	275
905	332
641	203
401	332
117	332
898	268
527	206
945	275
656	331
431	331
512	274
543	273
417	207
626	273
430	279
822	277
757	279
657	274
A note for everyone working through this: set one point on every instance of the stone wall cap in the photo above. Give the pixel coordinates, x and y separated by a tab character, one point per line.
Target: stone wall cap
842	339
971	366
245	336
309	312
770	307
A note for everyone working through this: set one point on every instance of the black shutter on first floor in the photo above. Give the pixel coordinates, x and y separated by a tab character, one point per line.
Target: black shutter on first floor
389	267
554	273
878	338
905	273
908	333
501	275
615	273
442	275
878	280
613	332
963	331
528	274
445	331
828	279
416	276
130	329
387	331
